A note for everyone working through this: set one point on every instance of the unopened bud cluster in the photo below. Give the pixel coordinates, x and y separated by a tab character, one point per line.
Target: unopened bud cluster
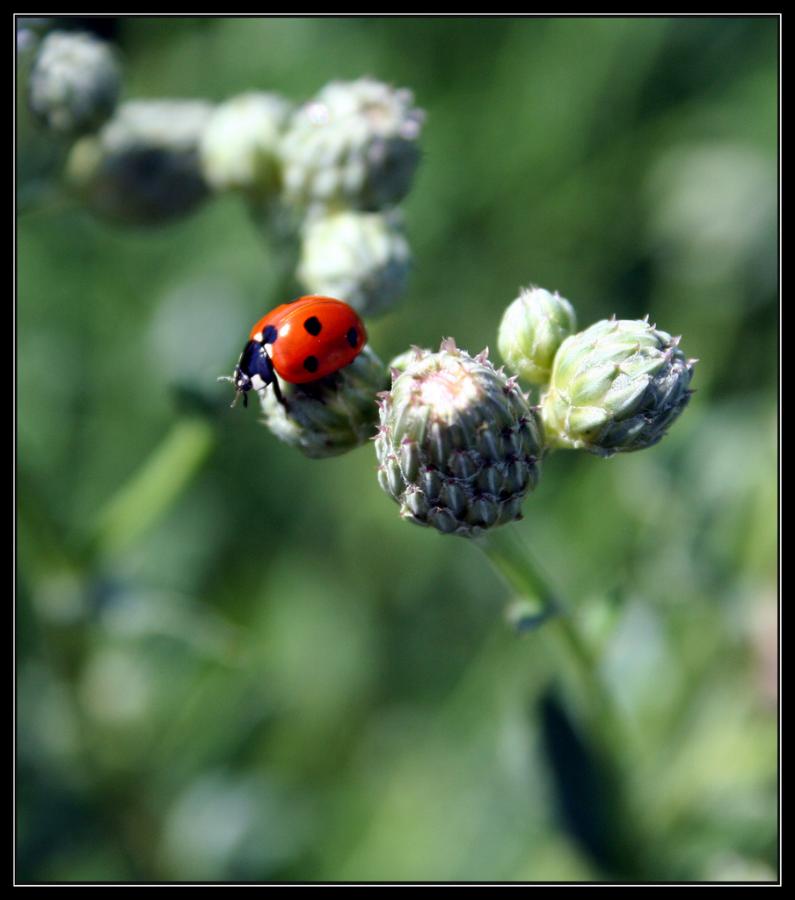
458	442
349	156
459	445
615	387
325	176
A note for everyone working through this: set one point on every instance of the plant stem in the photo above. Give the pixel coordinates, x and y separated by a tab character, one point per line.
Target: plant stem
154	487
633	845
543	606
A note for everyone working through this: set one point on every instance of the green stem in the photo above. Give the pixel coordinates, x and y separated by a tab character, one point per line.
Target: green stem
574	659
151	491
541	604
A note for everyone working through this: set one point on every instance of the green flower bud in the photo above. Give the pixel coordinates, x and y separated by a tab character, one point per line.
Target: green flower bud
615	387
364	258
458	445
239	146
75	82
330	416
354	145
143	166
532	329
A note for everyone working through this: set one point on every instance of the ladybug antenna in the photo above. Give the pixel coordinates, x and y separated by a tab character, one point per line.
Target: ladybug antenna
238	391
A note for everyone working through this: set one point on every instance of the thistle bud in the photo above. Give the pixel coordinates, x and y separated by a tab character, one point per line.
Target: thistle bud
354	145
363	257
239	146
331	416
532	329
75	82
458	445
615	387
143	166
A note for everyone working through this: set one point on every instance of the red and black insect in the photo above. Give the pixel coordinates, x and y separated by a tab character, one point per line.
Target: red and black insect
301	342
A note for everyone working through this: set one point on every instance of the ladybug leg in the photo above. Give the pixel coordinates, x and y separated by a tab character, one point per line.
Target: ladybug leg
278	392
274	381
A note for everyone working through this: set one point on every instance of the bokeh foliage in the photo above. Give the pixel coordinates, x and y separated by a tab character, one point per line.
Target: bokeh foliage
237	663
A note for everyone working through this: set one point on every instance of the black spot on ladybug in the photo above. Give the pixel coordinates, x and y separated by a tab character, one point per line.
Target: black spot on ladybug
313	325
269	335
353	337
311	364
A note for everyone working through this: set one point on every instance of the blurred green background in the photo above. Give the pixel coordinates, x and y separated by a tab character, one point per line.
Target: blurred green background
234	663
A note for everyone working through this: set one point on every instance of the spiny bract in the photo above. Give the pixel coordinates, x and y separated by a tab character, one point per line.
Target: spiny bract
615	387
458	446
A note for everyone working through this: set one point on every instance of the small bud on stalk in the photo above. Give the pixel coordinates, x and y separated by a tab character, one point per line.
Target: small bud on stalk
532	329
143	166
363	257
240	146
331	416
458	445
353	146
75	82
615	387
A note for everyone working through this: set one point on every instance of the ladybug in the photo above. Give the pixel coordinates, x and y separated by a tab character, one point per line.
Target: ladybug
302	341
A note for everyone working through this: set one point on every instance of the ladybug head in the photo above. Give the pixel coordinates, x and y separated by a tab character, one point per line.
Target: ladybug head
242	383
254	370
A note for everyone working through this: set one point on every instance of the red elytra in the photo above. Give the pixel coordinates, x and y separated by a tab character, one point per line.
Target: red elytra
310	338
301	342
